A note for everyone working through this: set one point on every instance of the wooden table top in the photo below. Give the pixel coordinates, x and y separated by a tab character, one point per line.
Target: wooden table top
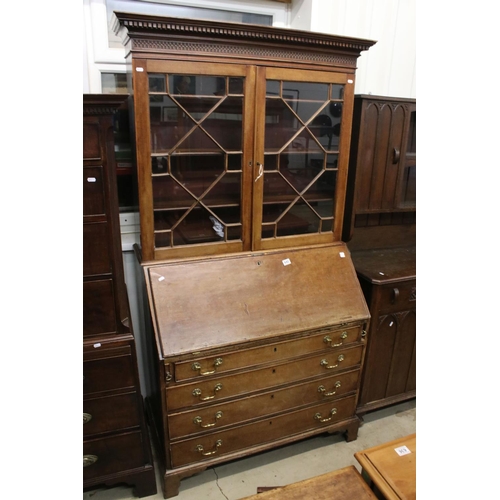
388	265
393	473
342	484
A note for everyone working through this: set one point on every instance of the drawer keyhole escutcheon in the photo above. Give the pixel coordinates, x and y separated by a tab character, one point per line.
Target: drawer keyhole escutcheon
197	367
328	340
197	393
89	460
218	444
321	419
322	389
198	420
324	362
87	417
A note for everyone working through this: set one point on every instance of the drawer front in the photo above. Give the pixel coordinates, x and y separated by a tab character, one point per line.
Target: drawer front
110	369
93	191
220	388
112	454
271	353
398	296
111	413
218	416
96	251
99	314
264	431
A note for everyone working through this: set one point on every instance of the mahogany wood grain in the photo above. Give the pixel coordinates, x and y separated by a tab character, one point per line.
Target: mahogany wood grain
116	446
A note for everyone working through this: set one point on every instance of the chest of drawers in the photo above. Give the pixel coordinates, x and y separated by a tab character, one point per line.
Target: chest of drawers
116	446
253	352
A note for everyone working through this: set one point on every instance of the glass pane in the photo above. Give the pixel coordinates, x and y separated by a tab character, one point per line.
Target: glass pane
276	188
236	85
234	162
198	141
197	172
224	124
197	107
196	85
273	87
299	219
301	157
196	183
168	193
323	188
226	191
156	83
281	125
167	239
114	83
200	226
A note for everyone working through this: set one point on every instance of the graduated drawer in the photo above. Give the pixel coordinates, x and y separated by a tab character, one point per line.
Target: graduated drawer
243	410
398	296
264	431
110	413
108	369
227	386
112	454
99	313
96	250
93	191
270	353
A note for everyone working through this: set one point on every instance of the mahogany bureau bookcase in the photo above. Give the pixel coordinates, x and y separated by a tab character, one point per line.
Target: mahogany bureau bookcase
116	445
380	228
242	138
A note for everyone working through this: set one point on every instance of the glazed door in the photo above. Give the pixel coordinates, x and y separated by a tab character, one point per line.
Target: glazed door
303	124
194	157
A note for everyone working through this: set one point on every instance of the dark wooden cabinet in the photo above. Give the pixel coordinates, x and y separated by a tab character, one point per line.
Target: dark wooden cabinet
388	280
259	322
380	229
381	189
116	446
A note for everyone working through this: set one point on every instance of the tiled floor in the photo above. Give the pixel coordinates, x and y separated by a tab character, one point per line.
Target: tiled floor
288	464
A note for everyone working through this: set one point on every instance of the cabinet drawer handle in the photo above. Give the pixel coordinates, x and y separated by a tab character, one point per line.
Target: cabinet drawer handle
328	340
197	367
197	392
199	448
395	295
198	420
87	417
324	362
89	460
396	155
332	413
322	389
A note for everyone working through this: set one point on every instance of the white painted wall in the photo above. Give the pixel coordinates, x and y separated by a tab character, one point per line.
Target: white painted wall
388	68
